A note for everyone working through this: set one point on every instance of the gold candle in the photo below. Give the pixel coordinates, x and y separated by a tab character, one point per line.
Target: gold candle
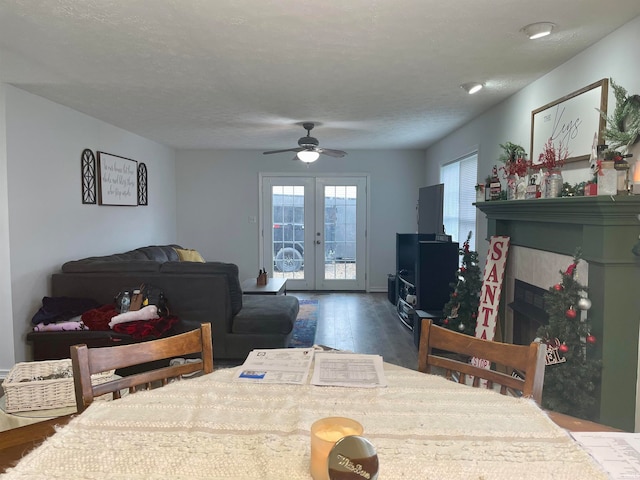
324	434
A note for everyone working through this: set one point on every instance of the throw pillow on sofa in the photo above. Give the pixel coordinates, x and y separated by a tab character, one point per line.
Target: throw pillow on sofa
189	255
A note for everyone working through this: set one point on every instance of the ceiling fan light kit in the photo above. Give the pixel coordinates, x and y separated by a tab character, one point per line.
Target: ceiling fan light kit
472	87
538	30
308	149
308	156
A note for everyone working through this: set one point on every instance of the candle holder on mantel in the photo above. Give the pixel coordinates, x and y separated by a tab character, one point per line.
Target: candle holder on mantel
635	188
623	177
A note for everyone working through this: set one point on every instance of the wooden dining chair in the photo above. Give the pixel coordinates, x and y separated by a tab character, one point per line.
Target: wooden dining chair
88	361
519	368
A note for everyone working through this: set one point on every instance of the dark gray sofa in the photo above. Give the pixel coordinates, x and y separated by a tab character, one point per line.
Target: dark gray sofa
197	292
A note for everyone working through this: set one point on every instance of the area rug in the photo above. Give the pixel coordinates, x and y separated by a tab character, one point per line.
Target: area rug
304	330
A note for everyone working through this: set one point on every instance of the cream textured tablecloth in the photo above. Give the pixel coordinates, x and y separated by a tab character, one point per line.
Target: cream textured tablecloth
423	427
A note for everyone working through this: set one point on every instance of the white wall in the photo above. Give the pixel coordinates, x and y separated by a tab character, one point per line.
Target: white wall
6	340
218	192
613	57
47	222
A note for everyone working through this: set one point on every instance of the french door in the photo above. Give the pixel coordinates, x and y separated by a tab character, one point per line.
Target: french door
314	231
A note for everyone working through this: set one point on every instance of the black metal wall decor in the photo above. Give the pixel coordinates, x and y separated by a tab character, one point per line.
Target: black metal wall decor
143	197
88	171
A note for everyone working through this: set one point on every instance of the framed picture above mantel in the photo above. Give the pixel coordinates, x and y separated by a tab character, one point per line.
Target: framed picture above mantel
117	180
573	121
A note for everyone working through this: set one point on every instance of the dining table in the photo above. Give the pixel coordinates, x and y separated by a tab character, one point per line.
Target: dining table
422	426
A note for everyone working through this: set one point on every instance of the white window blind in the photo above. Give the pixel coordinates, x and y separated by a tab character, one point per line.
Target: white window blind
459	178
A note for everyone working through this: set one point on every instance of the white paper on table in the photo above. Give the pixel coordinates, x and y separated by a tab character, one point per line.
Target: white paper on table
277	365
348	370
618	453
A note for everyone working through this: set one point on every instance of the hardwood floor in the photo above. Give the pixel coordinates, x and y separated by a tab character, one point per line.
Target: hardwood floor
363	323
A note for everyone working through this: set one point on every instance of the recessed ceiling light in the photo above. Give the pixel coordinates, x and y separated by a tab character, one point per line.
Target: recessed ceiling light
538	30
472	87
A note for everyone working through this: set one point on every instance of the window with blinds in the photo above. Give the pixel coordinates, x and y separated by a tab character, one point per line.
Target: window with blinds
459	178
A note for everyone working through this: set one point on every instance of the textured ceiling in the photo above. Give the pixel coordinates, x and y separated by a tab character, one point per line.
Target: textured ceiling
245	73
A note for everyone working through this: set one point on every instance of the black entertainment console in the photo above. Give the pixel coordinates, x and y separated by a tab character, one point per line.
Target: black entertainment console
426	266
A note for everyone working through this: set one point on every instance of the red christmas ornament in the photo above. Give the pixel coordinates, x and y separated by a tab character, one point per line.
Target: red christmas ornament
563	348
474	315
454	294
445	321
591	339
571	313
557	287
462	269
571	269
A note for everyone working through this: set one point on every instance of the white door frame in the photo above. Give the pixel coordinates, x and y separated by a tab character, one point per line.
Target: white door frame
321	280
266	261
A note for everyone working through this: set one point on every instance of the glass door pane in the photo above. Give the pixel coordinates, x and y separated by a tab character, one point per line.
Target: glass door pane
339	232
288	231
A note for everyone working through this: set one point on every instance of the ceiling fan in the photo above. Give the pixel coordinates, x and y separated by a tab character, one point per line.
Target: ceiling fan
309	149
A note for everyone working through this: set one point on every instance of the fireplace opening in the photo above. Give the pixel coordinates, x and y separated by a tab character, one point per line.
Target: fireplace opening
528	312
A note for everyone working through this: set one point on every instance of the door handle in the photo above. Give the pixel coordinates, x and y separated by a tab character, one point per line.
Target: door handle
318	242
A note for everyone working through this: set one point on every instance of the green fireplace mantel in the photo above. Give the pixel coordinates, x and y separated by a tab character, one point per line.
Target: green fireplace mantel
606	229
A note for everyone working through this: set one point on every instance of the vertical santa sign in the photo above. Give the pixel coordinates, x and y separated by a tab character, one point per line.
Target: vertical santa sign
490	292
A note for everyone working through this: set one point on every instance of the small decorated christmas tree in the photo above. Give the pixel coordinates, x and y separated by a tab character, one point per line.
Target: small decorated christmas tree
572	373
461	311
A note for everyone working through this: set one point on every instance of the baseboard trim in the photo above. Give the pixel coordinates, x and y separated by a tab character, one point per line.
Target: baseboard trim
377	289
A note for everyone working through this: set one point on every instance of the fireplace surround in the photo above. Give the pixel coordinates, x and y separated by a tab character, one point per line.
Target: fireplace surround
606	228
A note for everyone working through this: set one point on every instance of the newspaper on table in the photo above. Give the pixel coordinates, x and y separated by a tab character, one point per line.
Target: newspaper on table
618	453
277	365
348	370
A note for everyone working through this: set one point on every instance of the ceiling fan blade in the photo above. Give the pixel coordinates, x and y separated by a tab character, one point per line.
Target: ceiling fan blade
331	153
282	151
309	144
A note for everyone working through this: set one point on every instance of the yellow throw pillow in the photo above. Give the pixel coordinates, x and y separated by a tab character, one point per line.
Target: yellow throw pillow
189	255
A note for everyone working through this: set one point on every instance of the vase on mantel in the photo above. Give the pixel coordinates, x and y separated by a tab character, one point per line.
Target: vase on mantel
521	188
553	184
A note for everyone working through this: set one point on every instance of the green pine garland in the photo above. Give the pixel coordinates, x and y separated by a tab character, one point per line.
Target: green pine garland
461	311
623	127
571	387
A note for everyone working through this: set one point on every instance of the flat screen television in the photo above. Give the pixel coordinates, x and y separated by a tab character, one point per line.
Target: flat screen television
430	209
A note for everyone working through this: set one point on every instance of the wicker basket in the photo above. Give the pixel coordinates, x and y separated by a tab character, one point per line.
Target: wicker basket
27	387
